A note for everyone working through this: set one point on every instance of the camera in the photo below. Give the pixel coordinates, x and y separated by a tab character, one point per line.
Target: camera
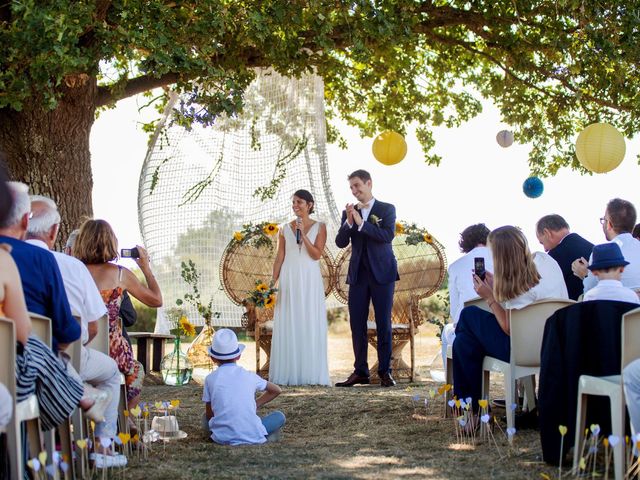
129	253
478	267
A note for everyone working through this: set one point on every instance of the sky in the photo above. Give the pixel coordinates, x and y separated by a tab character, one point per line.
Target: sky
477	181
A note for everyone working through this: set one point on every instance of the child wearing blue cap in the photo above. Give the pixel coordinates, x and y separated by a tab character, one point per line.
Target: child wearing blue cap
230	400
607	265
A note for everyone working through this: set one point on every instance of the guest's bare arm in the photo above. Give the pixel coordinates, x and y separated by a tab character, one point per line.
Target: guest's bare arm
271	392
148	294
208	411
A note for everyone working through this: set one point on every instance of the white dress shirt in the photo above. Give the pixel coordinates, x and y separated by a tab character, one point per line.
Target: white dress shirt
611	290
630	248
461	279
82	292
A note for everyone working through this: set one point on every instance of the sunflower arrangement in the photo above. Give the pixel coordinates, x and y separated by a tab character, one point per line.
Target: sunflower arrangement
259	234
263	295
180	324
415	234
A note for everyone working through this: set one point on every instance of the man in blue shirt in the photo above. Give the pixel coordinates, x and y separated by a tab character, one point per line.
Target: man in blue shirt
41	280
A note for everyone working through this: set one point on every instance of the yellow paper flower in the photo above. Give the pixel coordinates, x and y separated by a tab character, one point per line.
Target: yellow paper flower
399	228
483	403
238	236
262	287
270	301
428	238
187	327
270	229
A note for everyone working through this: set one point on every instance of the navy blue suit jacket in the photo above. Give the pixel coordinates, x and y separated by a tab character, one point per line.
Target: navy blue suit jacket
378	238
573	246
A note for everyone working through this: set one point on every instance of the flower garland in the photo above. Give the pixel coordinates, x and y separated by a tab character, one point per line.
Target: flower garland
415	234
259	234
263	295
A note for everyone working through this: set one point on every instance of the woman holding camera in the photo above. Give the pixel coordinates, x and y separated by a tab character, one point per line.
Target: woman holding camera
519	278
97	247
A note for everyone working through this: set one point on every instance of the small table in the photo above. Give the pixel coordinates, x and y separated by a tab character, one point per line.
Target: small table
144	340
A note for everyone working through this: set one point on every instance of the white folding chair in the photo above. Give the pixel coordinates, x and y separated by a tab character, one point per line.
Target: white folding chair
612	387
476	302
526	331
25	411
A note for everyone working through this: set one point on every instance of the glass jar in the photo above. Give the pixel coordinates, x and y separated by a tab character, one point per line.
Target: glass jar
176	368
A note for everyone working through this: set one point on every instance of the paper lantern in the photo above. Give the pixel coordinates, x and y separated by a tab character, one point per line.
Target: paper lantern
389	147
533	187
504	138
600	147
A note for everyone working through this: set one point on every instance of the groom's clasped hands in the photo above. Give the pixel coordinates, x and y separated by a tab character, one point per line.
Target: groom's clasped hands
353	214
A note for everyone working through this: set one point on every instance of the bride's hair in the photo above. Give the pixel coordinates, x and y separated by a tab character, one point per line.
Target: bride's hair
307	197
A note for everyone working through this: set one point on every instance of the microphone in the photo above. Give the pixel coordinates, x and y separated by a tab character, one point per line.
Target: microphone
298	232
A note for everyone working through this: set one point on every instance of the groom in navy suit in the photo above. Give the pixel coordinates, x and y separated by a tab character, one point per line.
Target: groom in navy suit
370	227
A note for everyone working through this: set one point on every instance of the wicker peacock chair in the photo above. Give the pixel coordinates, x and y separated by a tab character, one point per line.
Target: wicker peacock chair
422	268
242	264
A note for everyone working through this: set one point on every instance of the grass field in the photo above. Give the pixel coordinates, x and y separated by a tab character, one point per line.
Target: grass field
364	432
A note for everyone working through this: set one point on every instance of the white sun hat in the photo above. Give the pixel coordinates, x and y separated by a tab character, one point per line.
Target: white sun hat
225	345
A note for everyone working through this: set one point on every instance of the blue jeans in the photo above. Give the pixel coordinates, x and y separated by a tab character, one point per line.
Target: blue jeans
273	422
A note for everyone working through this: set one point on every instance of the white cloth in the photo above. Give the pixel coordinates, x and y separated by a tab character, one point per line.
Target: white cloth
631	380
299	343
82	292
231	390
630	248
6	406
551	283
461	279
611	290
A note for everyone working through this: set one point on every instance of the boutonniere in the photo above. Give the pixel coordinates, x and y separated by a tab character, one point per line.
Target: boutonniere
375	220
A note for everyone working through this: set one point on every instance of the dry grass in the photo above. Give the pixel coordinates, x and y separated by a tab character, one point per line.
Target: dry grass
363	432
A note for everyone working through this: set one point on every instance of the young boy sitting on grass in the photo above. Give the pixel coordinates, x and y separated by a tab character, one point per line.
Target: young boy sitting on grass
230	400
607	264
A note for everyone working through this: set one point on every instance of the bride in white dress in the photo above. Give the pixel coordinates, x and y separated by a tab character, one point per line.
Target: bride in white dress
299	344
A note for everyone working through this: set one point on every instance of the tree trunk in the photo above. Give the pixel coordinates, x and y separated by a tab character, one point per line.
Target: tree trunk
49	149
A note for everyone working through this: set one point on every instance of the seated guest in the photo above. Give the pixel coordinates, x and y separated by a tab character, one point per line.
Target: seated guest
38	370
96	368
631	380
564	247
473	241
97	246
607	265
519	278
230	397
41	280
617	224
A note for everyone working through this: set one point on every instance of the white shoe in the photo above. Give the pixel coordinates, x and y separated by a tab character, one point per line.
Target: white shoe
108	461
101	400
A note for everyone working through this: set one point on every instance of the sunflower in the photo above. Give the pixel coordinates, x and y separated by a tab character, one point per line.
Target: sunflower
238	236
270	301
270	229
399	228
187	327
428	238
262	287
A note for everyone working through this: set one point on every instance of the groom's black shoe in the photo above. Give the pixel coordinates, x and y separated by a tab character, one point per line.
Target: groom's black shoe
387	380
354	379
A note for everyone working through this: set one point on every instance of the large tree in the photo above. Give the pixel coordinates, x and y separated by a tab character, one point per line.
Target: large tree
551	66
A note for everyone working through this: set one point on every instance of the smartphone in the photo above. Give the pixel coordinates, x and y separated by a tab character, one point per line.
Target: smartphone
129	253
478	267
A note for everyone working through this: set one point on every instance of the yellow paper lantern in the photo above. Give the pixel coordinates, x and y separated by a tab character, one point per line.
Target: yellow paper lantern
600	147
389	147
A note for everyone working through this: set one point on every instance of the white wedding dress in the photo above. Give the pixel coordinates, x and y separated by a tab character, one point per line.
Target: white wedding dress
299	344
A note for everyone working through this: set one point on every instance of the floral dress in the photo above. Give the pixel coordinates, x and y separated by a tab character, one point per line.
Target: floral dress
119	349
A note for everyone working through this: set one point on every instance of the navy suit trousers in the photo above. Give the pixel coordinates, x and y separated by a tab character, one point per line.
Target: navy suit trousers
478	334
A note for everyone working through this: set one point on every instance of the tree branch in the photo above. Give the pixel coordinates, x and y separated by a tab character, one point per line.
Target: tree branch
111	94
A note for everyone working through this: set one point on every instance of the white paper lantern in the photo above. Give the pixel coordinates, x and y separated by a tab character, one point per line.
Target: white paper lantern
504	138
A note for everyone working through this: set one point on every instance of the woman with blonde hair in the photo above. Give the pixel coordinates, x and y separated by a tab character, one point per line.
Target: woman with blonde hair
519	278
97	247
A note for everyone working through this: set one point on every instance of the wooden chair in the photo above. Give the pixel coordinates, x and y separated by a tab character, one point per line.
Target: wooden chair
25	411
527	328
612	387
241	265
422	269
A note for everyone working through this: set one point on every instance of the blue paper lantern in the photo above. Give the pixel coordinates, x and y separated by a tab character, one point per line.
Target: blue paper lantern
533	187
